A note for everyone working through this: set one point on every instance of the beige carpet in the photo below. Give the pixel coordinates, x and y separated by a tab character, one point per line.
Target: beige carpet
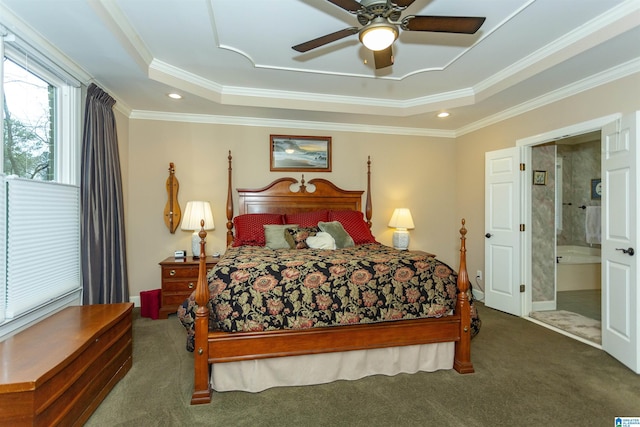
573	323
514	384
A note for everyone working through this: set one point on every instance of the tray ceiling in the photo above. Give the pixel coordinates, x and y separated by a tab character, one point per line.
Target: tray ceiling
233	59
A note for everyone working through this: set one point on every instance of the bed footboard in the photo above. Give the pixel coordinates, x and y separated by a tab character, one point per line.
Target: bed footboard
220	347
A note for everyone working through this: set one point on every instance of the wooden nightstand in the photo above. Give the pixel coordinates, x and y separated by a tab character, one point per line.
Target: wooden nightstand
179	279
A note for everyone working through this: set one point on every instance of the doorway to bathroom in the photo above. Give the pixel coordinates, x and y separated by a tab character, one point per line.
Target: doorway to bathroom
508	249
566	235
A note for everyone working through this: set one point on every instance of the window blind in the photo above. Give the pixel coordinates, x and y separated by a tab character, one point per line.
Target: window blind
3	253
43	243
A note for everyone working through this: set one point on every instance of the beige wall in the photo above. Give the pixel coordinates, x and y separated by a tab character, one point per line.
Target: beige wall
441	180
406	171
621	96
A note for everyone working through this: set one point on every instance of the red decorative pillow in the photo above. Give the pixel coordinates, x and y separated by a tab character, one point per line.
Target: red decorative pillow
249	228
354	224
307	219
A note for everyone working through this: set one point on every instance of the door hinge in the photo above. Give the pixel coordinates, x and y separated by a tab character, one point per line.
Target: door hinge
521	227
521	288
522	167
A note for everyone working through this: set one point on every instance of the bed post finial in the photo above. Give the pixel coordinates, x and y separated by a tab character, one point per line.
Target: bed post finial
229	204
463	276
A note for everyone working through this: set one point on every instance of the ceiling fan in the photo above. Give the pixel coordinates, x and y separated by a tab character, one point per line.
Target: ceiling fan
381	21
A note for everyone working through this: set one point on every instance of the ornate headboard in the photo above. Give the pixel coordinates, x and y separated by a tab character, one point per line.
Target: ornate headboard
288	195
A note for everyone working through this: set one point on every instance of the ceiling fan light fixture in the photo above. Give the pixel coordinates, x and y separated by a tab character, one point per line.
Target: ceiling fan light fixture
378	35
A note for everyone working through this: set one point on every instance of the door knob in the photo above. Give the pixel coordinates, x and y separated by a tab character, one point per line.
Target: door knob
488	235
628	251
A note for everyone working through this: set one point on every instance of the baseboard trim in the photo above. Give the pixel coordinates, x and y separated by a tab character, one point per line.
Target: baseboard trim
478	295
135	301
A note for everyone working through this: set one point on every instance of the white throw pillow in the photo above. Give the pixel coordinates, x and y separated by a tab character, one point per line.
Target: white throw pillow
322	240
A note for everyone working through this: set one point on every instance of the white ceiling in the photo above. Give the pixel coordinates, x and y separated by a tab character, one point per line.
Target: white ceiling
232	59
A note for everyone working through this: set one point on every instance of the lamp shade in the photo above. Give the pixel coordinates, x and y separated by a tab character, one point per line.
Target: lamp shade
401	218
378	35
194	213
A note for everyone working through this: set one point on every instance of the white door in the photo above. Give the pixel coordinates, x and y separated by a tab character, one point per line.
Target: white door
502	228
620	296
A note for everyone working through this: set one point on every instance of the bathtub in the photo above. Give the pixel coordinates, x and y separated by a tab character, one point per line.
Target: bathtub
578	268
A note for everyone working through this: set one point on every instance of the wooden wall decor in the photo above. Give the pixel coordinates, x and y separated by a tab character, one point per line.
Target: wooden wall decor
172	213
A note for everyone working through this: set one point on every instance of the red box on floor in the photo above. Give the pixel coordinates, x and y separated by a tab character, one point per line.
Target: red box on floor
150	303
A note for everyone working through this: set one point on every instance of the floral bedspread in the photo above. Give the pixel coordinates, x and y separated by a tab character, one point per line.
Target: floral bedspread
256	288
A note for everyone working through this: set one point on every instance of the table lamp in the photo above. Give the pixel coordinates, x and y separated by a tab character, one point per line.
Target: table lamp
401	220
193	214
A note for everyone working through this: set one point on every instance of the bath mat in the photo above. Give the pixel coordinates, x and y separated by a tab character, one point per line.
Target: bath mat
573	323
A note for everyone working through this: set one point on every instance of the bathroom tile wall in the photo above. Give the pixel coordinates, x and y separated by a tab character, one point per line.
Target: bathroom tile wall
582	163
543	158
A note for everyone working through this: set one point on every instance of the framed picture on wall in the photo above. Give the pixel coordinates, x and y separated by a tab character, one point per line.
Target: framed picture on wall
596	189
539	177
300	153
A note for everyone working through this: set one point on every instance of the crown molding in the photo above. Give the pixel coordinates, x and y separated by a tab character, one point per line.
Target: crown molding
290	124
615	73
607	76
600	29
256	97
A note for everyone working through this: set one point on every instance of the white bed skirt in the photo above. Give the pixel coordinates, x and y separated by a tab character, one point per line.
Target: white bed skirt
258	375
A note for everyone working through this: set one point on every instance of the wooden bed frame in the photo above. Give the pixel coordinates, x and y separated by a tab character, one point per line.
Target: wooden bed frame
219	347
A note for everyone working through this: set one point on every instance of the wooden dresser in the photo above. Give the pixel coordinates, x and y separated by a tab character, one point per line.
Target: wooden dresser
179	279
57	371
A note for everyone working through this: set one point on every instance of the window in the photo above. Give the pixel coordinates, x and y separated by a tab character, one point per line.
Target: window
43	113
40	195
29	128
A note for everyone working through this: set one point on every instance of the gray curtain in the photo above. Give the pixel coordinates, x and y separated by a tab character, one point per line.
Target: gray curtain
104	264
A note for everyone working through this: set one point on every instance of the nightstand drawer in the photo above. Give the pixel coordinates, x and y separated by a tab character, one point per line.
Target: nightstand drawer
173	300
178	272
188	285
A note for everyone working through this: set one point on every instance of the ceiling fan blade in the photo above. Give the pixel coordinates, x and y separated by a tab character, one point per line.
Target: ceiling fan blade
383	58
443	24
403	3
321	41
348	5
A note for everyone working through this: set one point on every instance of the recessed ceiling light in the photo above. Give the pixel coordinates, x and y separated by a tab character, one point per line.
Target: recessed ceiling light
443	114
174	95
